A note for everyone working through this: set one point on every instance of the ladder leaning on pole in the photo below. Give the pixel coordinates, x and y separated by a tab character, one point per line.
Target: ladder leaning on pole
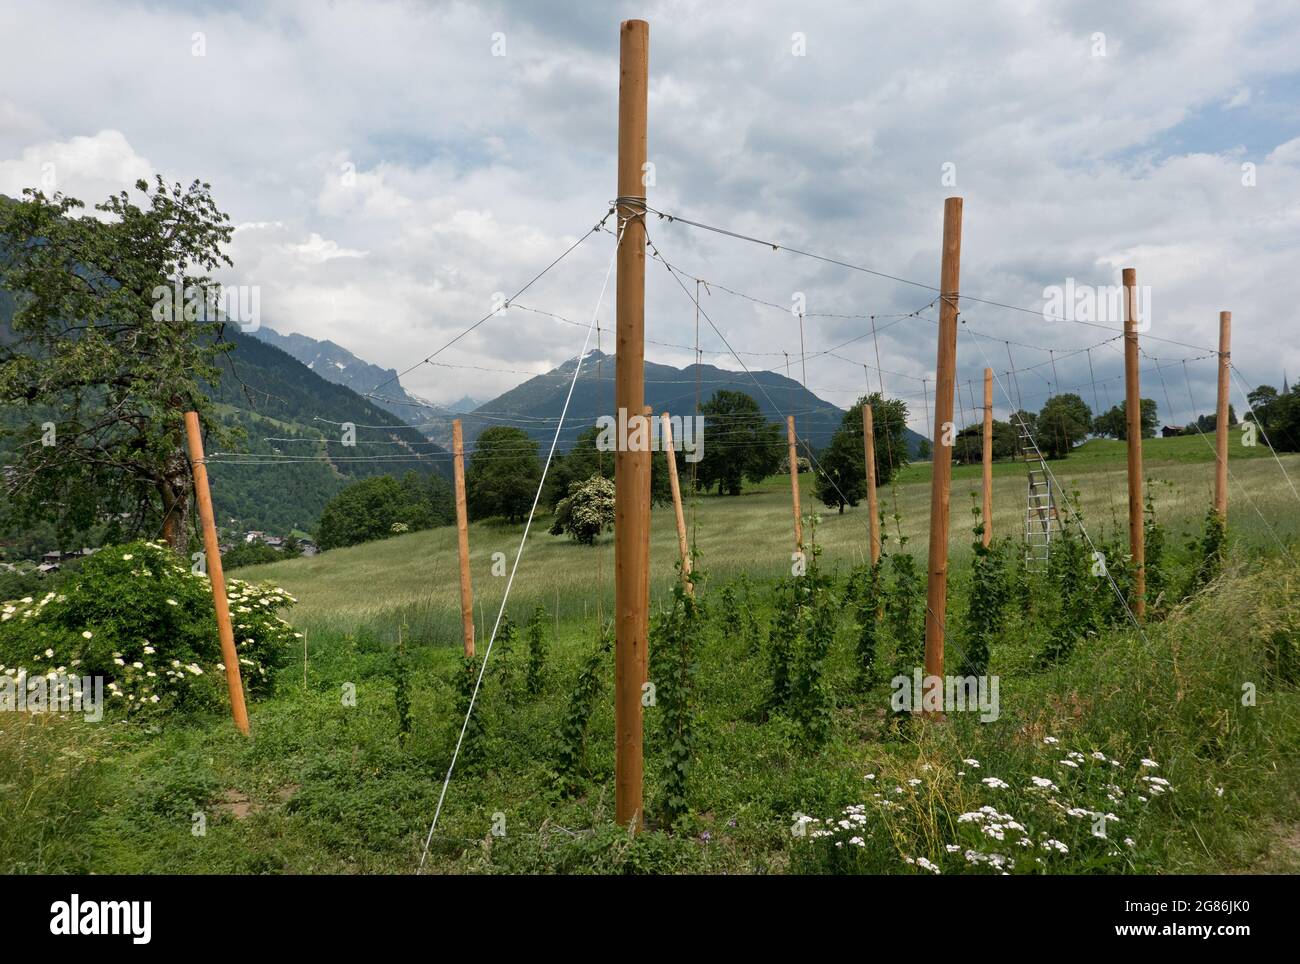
1042	523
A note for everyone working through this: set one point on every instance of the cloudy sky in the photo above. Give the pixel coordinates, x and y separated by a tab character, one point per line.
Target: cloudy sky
393	167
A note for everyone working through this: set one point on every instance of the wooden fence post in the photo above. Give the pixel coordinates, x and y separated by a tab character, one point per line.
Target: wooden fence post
462	538
1133	413
212	548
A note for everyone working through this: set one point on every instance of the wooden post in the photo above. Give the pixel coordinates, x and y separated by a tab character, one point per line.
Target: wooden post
794	483
671	456
631	469
988	456
945	386
1221	424
869	448
212	548
1133	406
462	538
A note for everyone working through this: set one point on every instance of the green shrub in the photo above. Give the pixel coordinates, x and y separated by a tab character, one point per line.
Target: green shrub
145	623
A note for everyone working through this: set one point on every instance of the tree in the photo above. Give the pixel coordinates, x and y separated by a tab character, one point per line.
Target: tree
380	506
1278	415
102	363
503	474
740	445
1114	423
843	479
1064	420
587	511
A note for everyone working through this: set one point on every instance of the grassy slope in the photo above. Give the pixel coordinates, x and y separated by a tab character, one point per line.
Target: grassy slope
330	791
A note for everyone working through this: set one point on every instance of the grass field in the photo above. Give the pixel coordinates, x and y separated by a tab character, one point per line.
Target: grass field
415	577
324	787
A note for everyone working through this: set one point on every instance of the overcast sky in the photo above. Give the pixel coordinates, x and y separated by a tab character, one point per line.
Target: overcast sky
391	167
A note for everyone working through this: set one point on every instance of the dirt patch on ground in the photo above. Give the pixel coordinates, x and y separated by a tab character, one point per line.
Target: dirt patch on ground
237	804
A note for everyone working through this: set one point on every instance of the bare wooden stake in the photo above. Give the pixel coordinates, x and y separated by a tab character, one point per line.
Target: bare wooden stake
869	450
1133	413
631	468
988	456
217	579
945	386
794	482
462	538
671	456
1221	423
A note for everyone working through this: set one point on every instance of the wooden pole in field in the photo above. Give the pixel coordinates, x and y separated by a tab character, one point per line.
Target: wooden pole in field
671	456
869	449
1221	424
631	469
462	538
988	456
794	483
1133	406
945	385
212	548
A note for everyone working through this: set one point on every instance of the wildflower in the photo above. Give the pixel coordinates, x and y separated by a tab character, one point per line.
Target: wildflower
923	862
1069	763
1150	763
127	557
172	602
973	764
1218	791
1053	844
994	783
1044	783
87	634
1051	740
49	653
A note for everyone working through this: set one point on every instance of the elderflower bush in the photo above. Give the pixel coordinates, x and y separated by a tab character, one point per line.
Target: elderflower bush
136	616
1079	812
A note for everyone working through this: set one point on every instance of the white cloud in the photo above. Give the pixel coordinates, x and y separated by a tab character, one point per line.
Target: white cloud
469	173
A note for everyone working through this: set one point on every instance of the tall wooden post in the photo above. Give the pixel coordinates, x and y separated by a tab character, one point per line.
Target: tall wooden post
794	482
1221	424
1133	413
869	449
988	456
631	469
212	549
462	538
945	385
671	456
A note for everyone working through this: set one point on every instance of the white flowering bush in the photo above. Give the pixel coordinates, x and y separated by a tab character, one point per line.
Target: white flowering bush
136	616
1082	813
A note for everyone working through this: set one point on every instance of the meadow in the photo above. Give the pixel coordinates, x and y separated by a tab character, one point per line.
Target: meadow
1147	730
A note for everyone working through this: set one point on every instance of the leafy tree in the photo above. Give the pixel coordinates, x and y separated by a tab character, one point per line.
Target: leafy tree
843	479
99	353
253	554
1114	423
587	511
740	445
1278	414
1064	420
503	474
370	509
969	447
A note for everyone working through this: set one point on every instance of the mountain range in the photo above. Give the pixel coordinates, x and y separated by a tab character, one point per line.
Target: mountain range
535	405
